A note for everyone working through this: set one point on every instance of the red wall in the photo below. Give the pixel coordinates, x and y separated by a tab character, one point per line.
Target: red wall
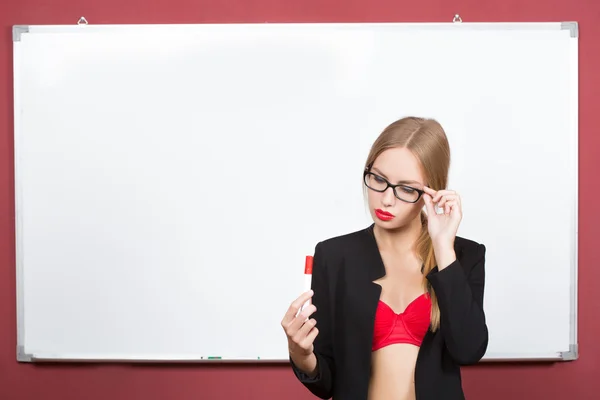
574	380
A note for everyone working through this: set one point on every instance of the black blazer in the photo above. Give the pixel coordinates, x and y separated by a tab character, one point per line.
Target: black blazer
346	298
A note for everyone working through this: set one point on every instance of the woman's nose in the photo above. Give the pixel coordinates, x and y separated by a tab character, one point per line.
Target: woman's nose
389	198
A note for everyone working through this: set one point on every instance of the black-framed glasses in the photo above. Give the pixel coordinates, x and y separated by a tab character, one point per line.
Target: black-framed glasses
379	184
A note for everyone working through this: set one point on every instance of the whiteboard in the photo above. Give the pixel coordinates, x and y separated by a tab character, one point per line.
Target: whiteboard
170	179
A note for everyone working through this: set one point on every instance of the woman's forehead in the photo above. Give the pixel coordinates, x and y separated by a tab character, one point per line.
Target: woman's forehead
399	164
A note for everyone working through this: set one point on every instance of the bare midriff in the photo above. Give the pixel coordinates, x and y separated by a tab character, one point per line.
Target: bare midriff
393	372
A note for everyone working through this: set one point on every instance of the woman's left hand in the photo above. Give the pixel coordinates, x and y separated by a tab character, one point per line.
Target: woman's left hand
444	226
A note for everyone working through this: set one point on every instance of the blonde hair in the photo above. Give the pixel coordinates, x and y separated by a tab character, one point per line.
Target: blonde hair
426	139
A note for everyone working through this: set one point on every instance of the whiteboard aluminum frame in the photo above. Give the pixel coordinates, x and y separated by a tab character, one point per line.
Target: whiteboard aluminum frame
573	353
21	355
19	31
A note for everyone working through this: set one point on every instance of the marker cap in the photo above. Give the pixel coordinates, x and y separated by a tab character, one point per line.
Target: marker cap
308	265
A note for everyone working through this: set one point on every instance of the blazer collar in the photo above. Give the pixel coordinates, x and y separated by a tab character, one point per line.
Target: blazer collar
376	266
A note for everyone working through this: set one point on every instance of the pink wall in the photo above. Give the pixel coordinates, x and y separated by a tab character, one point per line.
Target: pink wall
576	380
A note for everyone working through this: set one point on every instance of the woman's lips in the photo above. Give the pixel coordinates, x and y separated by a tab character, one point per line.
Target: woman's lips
384	215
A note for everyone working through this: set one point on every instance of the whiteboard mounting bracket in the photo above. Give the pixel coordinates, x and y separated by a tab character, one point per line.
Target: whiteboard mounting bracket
22	356
82	21
572	26
457	19
18	30
572	354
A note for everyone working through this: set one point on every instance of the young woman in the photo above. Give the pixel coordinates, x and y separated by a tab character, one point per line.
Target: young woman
397	307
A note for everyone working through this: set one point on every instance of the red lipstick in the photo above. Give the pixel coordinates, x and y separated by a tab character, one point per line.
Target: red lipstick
384	215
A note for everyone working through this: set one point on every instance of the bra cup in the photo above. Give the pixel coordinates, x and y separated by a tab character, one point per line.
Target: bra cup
409	326
417	319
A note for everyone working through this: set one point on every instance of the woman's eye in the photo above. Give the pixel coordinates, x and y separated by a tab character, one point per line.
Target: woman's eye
379	179
408	190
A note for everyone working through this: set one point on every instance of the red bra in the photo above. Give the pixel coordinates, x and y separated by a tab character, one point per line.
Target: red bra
409	326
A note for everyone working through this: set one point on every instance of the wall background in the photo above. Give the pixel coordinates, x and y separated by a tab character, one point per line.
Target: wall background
575	380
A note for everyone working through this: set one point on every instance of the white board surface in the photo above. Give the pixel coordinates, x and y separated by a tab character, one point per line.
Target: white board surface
170	179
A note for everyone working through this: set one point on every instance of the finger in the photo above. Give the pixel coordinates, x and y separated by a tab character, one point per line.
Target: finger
451	206
296	324
429	191
441	193
304	330
446	198
457	208
310	338
429	204
442	200
295	306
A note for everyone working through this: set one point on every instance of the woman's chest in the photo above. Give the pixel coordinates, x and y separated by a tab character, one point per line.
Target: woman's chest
361	285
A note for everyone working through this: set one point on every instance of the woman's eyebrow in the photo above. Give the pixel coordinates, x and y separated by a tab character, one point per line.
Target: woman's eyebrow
379	172
399	182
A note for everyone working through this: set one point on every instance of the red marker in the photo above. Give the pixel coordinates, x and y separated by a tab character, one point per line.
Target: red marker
308	266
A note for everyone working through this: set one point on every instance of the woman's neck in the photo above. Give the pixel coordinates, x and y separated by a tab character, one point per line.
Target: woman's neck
401	240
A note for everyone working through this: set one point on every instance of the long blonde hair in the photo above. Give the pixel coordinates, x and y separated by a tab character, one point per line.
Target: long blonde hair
426	139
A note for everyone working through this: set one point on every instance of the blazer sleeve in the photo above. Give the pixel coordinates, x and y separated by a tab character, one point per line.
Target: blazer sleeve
460	298
322	384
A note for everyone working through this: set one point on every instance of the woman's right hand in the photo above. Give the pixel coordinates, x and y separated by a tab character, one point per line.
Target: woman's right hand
300	330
